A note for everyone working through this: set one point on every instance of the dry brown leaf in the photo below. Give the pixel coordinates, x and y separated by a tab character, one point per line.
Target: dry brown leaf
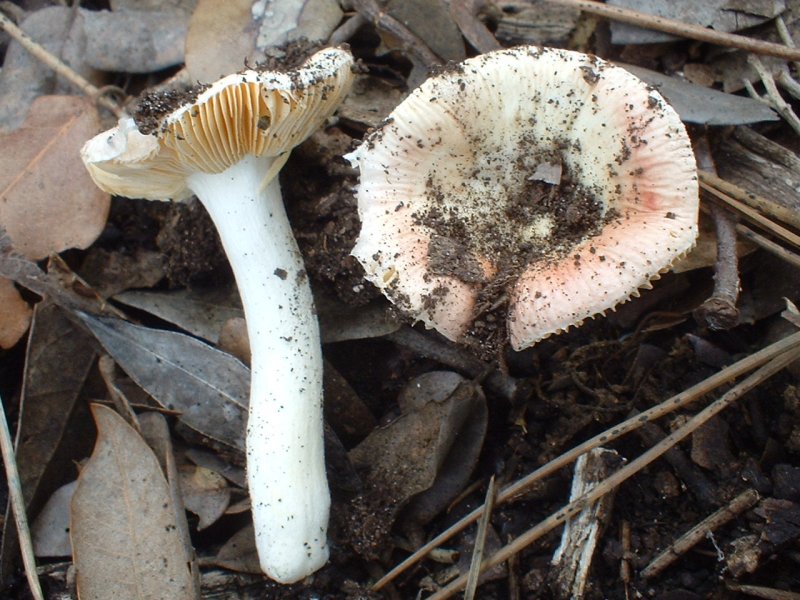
221	37
205	493
124	538
15	316
48	202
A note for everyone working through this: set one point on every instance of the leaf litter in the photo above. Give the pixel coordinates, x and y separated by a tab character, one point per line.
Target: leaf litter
565	389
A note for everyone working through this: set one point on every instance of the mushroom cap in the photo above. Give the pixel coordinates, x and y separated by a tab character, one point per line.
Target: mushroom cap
260	113
544	179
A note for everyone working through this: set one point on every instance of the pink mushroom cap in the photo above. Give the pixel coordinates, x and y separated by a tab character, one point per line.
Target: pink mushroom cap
546	181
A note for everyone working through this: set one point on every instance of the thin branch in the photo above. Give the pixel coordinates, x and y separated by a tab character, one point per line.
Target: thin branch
480	542
687	30
768	245
57	65
689	539
719	312
750	214
573	508
760	203
773	97
677	402
18	506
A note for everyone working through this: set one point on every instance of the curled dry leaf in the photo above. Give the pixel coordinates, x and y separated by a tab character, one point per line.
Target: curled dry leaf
15	316
124	537
48	202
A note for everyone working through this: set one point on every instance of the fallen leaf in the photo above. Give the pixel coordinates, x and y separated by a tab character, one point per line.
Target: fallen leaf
289	20
429	452
239	552
198	311
48	202
715	14
702	105
23	77
234	340
50	529
205	493
210	389
209	460
49	439
131	41
15	316
221	39
430	20
125	541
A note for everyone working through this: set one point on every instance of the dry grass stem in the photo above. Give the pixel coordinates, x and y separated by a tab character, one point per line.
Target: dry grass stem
57	65
761	204
726	375
480	541
768	245
750	214
18	506
573	508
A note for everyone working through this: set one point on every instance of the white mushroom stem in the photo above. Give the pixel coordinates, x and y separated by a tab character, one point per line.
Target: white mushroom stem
285	454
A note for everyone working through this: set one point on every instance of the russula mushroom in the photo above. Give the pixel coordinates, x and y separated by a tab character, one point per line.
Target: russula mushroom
226	145
544	182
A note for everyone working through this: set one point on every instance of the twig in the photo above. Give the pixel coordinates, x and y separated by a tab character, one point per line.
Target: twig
711	523
719	311
456	357
773	98
480	542
764	205
625	561
762	592
686	397
570	510
18	506
687	30
750	214
464	13
768	245
786	36
58	66
411	42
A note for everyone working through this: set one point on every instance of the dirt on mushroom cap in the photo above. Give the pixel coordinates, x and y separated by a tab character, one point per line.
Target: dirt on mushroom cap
521	161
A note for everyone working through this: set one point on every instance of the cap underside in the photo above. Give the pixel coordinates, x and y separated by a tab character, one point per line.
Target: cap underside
545	181
249	113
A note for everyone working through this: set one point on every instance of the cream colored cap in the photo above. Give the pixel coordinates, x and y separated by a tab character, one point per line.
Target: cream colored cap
547	181
253	112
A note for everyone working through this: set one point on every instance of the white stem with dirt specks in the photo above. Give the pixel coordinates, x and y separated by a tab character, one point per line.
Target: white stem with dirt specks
285	452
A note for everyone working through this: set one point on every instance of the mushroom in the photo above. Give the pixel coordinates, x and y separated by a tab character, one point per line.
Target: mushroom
519	192
226	145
